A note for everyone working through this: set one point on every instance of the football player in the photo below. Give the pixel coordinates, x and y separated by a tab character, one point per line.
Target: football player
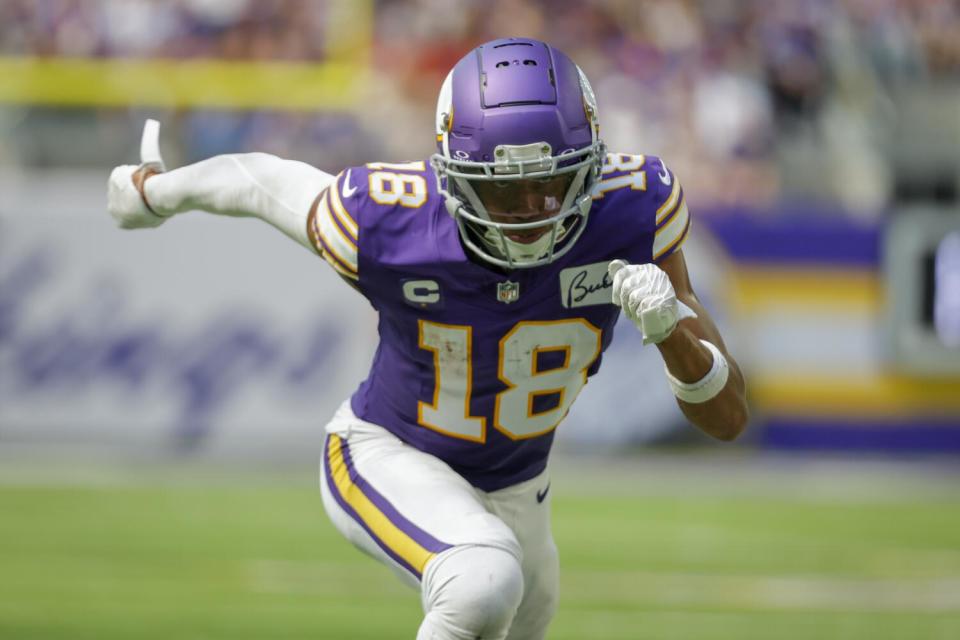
498	267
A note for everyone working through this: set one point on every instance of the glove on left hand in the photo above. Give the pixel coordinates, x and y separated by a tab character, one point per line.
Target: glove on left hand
646	295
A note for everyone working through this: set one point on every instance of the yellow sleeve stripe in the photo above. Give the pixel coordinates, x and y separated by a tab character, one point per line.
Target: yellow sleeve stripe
349	240
318	242
667	207
672	234
665	220
335	241
374	520
345	218
333	263
343	272
336	267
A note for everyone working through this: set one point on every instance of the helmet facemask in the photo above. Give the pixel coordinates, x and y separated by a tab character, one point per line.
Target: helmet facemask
528	172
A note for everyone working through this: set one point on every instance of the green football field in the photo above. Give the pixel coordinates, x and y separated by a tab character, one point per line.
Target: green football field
252	556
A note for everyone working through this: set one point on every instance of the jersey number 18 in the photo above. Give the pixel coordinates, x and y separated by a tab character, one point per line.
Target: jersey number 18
519	409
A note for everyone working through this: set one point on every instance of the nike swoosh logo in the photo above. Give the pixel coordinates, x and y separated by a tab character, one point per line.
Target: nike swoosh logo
347	190
542	495
665	175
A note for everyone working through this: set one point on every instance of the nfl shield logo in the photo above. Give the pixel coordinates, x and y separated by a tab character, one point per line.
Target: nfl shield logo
508	292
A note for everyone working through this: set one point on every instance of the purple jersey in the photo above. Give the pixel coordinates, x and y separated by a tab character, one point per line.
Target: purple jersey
478	366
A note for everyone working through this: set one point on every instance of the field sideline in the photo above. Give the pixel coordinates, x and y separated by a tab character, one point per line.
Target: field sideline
656	548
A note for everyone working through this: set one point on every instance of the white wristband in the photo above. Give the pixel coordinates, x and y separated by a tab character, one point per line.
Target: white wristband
706	387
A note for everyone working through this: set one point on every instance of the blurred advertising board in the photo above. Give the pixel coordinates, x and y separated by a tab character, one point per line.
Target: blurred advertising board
223	336
824	305
206	330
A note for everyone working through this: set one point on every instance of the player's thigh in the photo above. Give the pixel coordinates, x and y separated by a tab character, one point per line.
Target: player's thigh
398	504
525	508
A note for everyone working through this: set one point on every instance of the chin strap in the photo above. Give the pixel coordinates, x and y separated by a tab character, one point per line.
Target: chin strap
452	204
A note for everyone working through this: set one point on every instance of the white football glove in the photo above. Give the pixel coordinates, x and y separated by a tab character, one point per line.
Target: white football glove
124	201
646	295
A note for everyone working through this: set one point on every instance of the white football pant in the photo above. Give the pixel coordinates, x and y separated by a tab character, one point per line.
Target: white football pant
485	563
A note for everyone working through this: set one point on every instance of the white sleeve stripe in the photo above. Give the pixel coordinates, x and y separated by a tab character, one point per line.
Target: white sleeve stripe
671	248
334	238
339	269
349	240
670	233
345	218
671	202
668	218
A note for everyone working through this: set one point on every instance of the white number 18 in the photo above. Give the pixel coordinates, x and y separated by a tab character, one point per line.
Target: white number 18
520	367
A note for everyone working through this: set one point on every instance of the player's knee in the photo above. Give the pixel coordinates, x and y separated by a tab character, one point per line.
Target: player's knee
541	597
544	596
472	592
536	612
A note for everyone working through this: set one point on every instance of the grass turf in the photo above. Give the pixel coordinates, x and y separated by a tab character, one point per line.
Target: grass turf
258	559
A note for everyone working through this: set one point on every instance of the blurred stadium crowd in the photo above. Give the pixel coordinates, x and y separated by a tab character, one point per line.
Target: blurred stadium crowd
850	103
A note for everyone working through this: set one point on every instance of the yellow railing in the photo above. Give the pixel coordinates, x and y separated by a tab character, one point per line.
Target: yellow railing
331	84
178	83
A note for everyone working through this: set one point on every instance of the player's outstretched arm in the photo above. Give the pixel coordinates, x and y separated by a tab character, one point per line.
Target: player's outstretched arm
258	185
703	375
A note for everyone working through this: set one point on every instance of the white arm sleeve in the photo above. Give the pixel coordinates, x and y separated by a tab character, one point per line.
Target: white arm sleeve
256	185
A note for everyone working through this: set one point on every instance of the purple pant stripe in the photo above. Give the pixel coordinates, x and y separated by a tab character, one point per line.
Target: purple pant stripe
421	537
353	514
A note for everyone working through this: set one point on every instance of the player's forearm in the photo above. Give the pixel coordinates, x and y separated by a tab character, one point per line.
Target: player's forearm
725	415
259	185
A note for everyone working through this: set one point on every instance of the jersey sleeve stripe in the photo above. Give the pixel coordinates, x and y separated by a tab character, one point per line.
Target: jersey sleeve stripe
334	240
349	240
667	207
339	269
668	218
325	252
348	221
407	544
672	236
328	255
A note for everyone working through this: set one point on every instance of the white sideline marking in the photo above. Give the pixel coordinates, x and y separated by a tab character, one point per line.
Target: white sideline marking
604	588
794	592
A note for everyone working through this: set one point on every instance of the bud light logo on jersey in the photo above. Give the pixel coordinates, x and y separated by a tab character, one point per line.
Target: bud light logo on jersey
585	285
508	292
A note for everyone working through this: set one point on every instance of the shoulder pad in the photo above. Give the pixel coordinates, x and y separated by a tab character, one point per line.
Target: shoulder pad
647	191
671	216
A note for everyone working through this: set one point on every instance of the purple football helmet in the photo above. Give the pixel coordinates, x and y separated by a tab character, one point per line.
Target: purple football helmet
515	114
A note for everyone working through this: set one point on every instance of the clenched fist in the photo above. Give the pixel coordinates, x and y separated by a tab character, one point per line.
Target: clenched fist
646	295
